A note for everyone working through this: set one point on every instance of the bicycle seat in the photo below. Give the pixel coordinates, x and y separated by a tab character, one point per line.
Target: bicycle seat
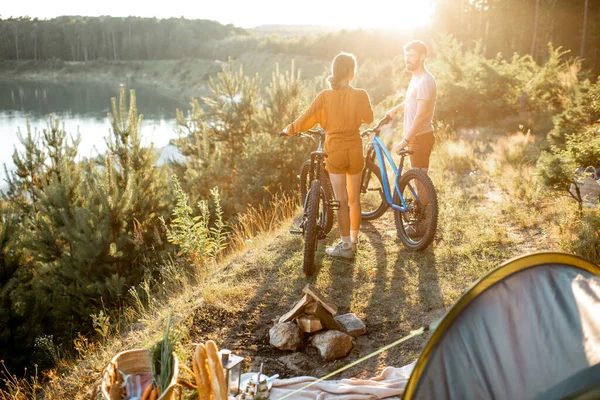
405	152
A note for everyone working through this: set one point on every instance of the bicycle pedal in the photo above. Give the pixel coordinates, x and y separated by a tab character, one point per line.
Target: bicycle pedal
296	231
333	204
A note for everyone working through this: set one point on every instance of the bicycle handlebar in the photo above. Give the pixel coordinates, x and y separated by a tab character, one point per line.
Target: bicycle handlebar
377	128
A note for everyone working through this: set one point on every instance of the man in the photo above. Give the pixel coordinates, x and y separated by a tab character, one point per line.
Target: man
418	107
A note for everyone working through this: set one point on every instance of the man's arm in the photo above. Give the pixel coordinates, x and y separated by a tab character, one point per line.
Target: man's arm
392	111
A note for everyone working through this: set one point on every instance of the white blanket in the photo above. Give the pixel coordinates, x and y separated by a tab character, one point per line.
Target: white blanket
389	384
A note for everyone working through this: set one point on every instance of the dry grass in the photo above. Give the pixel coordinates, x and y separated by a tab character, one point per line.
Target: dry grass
262	219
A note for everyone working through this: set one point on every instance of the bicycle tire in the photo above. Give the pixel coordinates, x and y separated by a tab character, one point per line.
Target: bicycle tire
380	205
311	228
328	194
431	214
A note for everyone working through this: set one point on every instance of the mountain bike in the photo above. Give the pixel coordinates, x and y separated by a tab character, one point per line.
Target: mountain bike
414	200
317	200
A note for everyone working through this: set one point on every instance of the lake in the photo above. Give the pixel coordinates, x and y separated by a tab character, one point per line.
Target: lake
83	109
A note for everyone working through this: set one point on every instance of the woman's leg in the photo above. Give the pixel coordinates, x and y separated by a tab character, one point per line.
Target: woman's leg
345	248
338	181
353	184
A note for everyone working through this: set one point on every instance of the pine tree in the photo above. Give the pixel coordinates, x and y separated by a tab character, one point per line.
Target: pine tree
28	173
133	189
213	140
270	164
50	291
94	225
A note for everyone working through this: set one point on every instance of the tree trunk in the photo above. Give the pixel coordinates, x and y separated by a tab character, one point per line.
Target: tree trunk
485	37
17	39
585	17
114	41
35	45
535	28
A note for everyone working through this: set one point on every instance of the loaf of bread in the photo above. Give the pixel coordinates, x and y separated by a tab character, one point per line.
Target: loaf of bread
202	377
217	376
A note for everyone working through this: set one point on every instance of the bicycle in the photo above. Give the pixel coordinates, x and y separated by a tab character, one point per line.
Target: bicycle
317	200
415	204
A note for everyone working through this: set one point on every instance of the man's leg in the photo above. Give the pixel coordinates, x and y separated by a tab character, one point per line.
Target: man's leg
420	160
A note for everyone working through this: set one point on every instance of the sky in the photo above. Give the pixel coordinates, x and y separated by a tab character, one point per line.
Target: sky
395	14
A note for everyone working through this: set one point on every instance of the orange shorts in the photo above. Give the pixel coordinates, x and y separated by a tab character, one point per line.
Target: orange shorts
348	161
422	146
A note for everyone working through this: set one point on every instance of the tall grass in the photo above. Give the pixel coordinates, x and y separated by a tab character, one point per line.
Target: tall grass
582	236
262	219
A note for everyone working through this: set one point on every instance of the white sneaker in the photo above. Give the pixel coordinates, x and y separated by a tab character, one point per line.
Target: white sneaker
342	250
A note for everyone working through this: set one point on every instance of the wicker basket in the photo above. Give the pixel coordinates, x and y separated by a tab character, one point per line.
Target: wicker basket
136	361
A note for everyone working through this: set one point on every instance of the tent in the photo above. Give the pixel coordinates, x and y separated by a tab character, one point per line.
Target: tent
530	329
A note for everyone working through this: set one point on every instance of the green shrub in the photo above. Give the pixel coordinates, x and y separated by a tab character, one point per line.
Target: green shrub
199	241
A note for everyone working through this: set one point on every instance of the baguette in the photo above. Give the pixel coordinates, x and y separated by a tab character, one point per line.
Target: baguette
217	376
199	364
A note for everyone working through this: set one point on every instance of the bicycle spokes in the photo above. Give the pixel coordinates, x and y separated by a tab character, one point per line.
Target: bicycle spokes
372	196
414	220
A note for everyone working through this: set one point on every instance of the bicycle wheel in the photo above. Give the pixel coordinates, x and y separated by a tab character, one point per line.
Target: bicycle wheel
311	228
372	196
326	213
416	227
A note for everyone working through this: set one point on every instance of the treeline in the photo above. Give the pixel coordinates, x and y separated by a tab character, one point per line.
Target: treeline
523	26
497	26
90	38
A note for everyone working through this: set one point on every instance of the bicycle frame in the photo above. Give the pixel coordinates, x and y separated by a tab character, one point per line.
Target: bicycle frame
380	151
316	160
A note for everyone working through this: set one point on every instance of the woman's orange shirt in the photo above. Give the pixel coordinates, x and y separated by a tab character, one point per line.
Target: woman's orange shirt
340	112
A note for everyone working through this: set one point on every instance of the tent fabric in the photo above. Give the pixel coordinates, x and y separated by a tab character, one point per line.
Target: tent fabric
588	379
528	325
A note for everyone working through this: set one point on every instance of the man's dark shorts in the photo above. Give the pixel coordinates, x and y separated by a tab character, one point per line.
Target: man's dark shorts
421	145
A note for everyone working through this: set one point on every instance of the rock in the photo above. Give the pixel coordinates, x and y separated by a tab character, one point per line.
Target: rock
285	336
299	363
332	344
363	345
352	324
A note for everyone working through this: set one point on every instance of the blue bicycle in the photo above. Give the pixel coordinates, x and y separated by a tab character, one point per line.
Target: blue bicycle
414	200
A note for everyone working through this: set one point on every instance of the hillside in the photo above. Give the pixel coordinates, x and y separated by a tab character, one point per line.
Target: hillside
492	208
181	79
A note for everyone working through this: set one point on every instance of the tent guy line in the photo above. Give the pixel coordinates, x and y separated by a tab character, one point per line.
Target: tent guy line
431	327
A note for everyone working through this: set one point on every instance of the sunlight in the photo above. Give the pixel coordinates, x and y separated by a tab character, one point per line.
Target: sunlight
403	15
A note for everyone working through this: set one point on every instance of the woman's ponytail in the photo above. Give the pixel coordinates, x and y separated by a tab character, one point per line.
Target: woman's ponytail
342	65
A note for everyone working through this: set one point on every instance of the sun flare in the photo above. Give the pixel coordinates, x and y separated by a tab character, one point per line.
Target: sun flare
404	15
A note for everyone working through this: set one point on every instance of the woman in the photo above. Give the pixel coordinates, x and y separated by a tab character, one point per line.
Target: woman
341	111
